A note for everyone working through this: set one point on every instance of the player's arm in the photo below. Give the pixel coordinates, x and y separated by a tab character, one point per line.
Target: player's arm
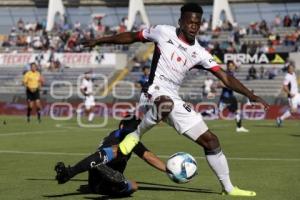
25	79
41	80
121	38
285	87
234	84
83	91
149	157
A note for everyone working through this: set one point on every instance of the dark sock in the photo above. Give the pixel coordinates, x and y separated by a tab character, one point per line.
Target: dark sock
239	123
38	114
86	163
28	112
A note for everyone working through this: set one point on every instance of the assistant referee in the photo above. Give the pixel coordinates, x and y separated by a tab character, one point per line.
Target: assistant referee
33	80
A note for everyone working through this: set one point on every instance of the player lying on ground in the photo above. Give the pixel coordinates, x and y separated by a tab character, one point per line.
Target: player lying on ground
290	87
176	52
107	177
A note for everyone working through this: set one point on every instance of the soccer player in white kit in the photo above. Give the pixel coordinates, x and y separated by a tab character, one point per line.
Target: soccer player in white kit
290	87
86	88
176	52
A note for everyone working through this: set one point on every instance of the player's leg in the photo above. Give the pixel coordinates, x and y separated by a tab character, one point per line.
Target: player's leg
38	109
91	114
289	112
89	104
107	181
29	104
104	155
29	109
190	123
233	108
161	108
216	159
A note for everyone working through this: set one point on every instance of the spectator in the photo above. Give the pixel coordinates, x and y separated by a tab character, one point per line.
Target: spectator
272	73
251	73
21	25
262	72
287	21
143	81
277	21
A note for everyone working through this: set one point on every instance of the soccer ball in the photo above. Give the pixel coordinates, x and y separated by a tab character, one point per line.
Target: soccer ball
181	167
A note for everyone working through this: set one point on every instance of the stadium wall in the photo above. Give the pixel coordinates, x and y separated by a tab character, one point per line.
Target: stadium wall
66	111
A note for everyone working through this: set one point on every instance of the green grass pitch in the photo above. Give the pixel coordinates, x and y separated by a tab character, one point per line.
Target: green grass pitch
267	160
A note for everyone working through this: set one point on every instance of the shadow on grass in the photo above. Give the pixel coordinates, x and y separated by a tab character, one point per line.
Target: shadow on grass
146	186
265	125
174	188
51	179
63	195
295	135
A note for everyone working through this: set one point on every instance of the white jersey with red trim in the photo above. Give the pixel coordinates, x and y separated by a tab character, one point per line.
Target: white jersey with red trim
173	58
290	80
87	85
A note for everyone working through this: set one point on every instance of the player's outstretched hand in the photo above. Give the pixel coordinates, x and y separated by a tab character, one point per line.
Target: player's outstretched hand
258	99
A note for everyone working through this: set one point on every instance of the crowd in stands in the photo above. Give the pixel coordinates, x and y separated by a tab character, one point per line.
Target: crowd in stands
234	43
28	37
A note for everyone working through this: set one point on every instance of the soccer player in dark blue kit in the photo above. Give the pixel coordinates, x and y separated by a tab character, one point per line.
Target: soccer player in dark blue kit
229	101
105	167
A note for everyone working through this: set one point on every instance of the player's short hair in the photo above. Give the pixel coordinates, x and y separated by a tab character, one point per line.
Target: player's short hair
230	62
130	122
145	67
191	7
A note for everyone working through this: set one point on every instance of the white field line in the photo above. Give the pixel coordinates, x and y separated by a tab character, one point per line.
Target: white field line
161	156
30	132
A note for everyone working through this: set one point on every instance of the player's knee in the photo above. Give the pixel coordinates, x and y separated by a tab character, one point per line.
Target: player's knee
294	110
209	142
164	106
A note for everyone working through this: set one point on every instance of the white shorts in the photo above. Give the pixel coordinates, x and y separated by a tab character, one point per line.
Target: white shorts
89	102
183	117
295	101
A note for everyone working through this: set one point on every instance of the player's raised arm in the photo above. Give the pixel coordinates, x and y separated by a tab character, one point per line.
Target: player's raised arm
149	157
121	38
237	86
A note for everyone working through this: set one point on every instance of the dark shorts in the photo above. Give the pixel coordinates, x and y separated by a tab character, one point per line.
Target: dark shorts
100	186
232	103
32	96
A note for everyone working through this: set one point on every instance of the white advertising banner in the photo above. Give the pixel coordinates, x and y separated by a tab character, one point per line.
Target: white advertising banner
67	59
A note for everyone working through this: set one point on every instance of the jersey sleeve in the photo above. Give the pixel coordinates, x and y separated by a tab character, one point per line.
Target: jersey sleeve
151	34
208	62
286	80
140	149
83	84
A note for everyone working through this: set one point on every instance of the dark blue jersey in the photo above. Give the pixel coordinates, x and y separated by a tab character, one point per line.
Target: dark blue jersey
114	138
226	92
143	81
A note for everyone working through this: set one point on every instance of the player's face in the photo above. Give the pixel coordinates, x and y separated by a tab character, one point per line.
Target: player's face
87	76
291	69
190	24
231	67
33	67
146	71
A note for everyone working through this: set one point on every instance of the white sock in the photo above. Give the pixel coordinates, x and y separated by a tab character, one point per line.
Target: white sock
285	115
219	165
149	121
91	116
